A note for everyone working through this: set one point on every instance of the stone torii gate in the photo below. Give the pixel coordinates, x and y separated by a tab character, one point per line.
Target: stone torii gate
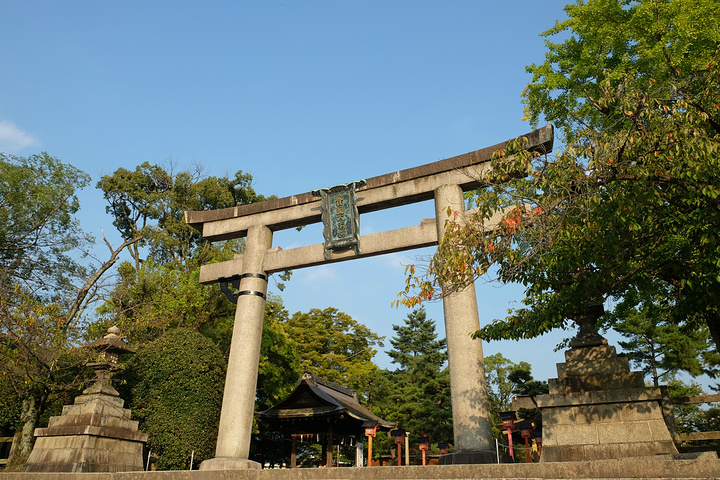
444	181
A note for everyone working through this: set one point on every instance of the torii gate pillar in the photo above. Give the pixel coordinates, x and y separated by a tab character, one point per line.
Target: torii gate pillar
238	407
470	408
444	181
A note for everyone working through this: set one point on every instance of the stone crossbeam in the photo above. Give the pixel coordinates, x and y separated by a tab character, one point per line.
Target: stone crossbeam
385	191
279	260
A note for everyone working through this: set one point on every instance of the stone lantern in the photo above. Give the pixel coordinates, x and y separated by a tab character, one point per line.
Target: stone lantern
95	434
109	349
597	408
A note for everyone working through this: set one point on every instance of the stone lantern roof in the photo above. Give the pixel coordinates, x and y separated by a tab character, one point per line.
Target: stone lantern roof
111	345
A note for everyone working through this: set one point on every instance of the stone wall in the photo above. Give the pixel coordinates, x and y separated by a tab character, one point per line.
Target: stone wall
705	466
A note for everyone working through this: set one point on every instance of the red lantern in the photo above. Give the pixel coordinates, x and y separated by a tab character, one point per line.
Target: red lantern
525	429
424	445
508	423
370	431
399	440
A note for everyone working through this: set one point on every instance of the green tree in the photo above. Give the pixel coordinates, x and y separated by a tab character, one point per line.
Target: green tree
159	291
39	361
659	346
523	382
505	379
333	345
420	397
500	388
279	367
688	417
175	387
38	229
150	202
44	285
146	303
630	201
160	288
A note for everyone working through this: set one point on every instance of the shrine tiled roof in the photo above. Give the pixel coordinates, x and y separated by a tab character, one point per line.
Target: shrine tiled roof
316	397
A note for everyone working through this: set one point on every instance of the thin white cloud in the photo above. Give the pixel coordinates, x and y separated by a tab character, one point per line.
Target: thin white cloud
320	274
12	139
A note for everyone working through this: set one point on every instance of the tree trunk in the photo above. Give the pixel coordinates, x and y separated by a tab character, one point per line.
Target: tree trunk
28	418
713	324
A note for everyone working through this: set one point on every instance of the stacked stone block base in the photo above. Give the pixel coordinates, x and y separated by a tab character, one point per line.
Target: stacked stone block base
598	409
93	435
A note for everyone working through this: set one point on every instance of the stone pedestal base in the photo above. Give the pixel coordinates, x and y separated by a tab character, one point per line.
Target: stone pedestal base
598	409
480	457
93	435
229	464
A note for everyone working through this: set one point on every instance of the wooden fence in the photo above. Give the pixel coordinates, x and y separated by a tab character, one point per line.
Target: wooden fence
678	437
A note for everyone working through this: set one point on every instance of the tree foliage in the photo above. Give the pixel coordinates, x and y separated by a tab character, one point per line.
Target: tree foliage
175	387
146	303
279	367
630	201
419	400
659	346
44	286
692	417
160	289
150	201
39	360
333	345
505	380
38	228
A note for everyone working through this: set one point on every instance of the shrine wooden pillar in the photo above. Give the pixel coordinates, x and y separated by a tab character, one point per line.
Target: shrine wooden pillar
293	452
328	450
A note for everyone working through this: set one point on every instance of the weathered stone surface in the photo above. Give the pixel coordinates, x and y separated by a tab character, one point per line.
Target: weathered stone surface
598	409
385	191
472	429
95	434
606	381
595	354
236	417
663	466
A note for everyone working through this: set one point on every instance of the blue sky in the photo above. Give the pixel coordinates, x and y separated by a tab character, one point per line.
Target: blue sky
300	94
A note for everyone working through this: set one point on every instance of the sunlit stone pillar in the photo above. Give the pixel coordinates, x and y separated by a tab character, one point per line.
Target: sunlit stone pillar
468	390
234	434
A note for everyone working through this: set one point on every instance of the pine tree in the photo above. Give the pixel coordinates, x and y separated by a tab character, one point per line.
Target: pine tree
421	399
659	346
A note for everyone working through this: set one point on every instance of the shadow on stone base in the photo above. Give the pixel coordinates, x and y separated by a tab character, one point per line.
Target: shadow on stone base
229	464
478	457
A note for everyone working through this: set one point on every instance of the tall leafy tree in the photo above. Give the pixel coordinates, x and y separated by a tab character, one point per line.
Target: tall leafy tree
333	345
159	289
630	201
279	367
151	200
158	292
38	230
420	397
38	359
500	388
44	285
689	417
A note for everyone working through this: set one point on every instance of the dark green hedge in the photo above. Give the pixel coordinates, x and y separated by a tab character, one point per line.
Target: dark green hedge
175	387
